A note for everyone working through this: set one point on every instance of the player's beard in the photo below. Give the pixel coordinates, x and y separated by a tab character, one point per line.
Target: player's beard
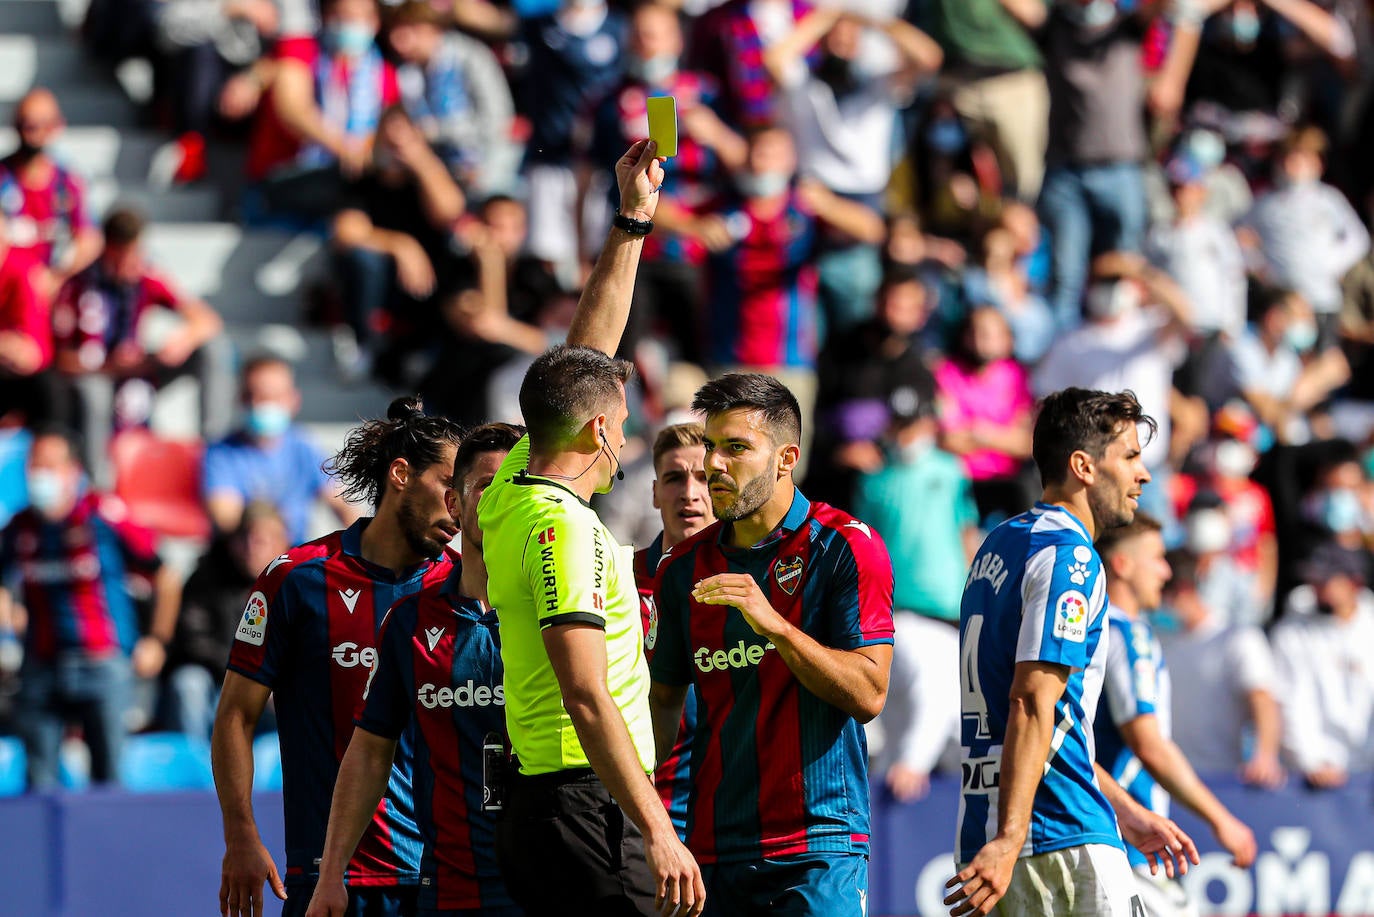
416	528
747	500
1109	506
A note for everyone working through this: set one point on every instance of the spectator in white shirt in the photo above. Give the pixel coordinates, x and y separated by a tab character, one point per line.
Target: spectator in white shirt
1233	668
1307	232
1326	673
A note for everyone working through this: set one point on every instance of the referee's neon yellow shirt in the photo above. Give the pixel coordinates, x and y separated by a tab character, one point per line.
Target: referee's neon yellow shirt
551	561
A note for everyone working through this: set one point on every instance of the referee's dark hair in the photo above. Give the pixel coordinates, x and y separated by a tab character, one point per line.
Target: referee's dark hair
754	392
1081	420
567	386
407	432
489	437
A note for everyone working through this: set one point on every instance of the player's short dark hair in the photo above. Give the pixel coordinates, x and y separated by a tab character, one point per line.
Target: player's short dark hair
1184	565
567	386
489	437
677	436
753	392
123	226
407	432
1111	540
1079	419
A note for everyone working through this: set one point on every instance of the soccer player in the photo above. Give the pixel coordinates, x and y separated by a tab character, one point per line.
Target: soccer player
309	637
1132	728
681	498
439	665
1036	821
583	830
779	616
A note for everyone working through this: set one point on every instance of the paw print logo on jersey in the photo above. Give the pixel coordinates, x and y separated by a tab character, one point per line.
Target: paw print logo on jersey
1078	570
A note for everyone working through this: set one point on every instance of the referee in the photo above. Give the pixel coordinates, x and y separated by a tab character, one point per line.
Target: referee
583	831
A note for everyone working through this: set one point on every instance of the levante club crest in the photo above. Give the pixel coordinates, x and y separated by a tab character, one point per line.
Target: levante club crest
788	573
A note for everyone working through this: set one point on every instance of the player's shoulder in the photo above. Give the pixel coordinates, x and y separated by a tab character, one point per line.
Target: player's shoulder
300	562
679	556
846	533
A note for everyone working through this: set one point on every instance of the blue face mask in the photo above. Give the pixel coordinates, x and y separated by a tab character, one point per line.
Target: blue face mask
1245	27
350	38
46	489
1339	510
653	70
946	136
268	420
1301	336
763	184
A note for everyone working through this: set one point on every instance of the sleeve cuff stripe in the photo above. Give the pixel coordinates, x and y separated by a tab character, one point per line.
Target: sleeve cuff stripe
573	617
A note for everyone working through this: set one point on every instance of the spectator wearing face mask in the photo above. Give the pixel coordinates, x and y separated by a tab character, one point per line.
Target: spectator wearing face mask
731	41
668	288
920	501
317	128
985	413
269	460
1238	730
1306	231
844	115
1274	368
1324	670
1134	338
1337	507
1222	582
42	201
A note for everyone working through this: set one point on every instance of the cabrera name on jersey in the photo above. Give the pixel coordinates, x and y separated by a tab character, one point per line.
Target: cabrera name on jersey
1035	593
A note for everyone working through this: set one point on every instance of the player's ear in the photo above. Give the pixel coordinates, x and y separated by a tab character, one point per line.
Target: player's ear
788	456
452	504
654	492
398	473
1082	467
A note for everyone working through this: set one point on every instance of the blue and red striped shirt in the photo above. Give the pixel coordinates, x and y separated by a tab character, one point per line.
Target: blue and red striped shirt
673	776
776	770
309	632
439	666
763	289
726	41
74	577
40	220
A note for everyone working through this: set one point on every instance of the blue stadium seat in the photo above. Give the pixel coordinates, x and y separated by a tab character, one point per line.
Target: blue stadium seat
164	761
266	762
12	764
14	491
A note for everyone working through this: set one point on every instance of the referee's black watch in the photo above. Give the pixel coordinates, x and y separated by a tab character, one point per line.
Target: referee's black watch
633	227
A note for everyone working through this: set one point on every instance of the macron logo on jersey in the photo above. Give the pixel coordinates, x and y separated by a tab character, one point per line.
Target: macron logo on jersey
253	625
284	559
350	598
740	656
466	695
432	636
861	526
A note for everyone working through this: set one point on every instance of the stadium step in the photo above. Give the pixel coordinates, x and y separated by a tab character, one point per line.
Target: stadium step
98	151
53	61
84	104
179	205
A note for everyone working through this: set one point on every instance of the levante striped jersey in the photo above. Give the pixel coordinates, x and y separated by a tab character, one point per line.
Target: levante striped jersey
439	665
309	632
1035	593
775	769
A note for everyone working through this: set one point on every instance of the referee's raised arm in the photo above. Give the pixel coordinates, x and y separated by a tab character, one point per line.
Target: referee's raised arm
604	307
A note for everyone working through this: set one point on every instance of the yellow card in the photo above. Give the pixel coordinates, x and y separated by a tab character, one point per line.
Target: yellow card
663	124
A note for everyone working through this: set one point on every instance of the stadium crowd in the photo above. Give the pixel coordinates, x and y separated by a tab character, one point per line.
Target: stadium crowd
920	216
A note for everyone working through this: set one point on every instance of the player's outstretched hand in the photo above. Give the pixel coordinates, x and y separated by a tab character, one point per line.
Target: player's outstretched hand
246	867
1159	839
1239	841
982	883
679	890
330	900
741	591
639	173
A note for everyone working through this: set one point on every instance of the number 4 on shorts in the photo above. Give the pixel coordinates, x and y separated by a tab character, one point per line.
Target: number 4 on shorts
1137	909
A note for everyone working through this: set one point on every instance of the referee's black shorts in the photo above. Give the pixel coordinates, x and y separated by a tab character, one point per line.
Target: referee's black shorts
566	848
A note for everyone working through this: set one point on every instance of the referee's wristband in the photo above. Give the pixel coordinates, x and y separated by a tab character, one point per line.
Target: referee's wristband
633	227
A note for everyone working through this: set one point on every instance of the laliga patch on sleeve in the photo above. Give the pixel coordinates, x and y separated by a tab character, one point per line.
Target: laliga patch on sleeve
1071	617
253	624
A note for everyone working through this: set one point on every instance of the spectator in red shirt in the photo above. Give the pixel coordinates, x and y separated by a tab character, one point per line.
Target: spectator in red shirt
317	126
43	201
28	390
116	359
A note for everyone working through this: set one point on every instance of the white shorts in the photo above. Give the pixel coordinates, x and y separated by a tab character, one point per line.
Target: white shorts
1162	896
1092	880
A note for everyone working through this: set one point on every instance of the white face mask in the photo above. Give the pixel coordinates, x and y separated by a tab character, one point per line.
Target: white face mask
1233	459
1112	299
47	490
1209	531
763	184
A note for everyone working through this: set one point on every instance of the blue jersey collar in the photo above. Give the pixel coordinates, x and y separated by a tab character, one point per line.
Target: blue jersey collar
351	543
796	517
1041	508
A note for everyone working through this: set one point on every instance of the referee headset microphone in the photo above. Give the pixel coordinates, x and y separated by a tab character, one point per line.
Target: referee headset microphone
619	471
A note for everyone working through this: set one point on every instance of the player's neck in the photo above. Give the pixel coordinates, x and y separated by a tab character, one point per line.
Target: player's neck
384	545
1123	599
1075	504
574	470
749	531
473	580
